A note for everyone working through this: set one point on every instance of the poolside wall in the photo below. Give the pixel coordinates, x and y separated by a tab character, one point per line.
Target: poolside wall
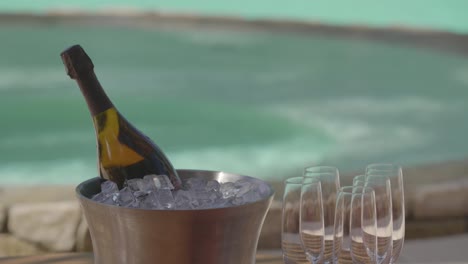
443	15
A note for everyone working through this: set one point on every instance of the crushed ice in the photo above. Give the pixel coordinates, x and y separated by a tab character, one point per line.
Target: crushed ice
157	192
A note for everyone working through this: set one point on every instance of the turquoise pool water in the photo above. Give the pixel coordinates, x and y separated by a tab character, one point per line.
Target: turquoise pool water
254	103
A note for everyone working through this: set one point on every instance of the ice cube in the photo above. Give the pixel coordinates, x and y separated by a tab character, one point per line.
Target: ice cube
196	183
244	191
156	192
150	201
252	196
207	198
140	196
243	187
109	187
212	185
104	198
248	197
185	200
228	190
159	181
263	190
221	202
147	185
97	197
238	200
125	197
165	198
136	184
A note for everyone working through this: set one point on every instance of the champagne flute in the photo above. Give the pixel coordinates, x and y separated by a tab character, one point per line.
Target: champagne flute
359	180
311	220
355	226
321	169
395	174
383	202
330	183
293	252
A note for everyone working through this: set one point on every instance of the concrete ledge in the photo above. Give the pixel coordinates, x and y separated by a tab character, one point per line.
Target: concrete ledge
50	225
13	246
33	194
436	228
443	200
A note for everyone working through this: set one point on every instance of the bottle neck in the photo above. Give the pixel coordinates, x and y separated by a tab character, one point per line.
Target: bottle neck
80	68
93	93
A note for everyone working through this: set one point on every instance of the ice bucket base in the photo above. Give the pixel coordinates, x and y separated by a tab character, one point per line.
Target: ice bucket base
210	236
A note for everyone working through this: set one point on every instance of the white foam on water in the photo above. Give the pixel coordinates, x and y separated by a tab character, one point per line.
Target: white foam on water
269	161
47	139
273	76
356	127
47	172
360	106
31	78
367	125
461	75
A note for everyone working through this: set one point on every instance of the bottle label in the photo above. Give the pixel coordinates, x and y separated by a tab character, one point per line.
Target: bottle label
113	152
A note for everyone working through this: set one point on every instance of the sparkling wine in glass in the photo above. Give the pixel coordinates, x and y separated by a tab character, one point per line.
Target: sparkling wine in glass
395	174
383	202
359	180
311	226
355	226
293	253
330	183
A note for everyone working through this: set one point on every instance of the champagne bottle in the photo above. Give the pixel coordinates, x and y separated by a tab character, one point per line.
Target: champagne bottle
123	151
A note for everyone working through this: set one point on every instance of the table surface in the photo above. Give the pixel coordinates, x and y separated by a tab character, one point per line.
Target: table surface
87	258
442	250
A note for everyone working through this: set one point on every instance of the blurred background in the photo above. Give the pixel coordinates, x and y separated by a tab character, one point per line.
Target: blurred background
251	87
260	88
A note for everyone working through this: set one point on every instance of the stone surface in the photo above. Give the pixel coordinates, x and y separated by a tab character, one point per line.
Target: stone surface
51	225
441	200
83	237
12	246
270	237
435	228
36	194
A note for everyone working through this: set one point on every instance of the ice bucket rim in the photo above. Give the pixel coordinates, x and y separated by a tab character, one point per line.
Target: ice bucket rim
80	187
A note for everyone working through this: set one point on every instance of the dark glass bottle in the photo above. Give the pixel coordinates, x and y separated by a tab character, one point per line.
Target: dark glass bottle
123	151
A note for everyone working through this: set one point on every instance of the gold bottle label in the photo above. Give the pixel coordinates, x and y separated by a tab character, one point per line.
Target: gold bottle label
112	152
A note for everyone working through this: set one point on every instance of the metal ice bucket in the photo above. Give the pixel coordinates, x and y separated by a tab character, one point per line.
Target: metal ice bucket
209	236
